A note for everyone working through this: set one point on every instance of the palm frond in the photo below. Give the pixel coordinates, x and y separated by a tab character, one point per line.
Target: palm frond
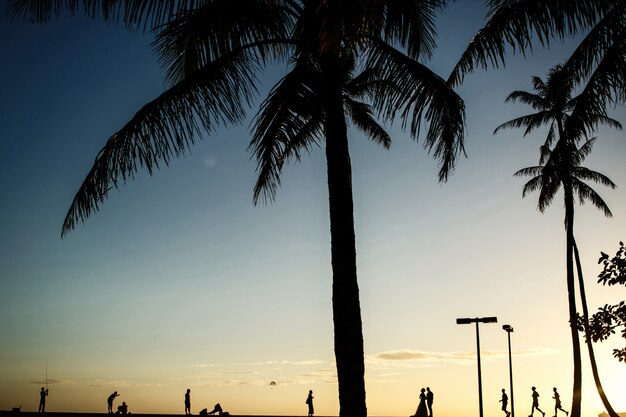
134	14
361	116
585	149
365	84
420	95
411	24
193	39
531	121
289	121
585	192
608	31
550	138
547	191
536	101
606	84
513	24
166	127
589	175
528	172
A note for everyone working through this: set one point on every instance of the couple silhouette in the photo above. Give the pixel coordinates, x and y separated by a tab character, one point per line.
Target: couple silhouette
425	406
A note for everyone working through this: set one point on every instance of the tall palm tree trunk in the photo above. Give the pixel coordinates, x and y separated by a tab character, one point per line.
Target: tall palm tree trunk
346	306
571	292
592	356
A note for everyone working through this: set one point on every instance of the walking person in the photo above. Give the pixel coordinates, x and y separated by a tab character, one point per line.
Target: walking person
42	400
429	401
188	402
110	401
505	401
535	395
557	403
309	402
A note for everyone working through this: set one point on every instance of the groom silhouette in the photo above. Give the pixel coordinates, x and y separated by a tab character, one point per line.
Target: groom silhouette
429	401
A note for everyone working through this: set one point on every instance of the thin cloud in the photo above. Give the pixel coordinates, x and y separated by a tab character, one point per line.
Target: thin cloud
117	384
48	382
309	362
418	358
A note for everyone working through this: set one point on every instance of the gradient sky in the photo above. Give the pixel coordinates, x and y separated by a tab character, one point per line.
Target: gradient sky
181	282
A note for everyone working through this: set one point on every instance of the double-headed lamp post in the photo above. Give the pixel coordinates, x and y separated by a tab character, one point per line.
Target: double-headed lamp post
478	320
508	329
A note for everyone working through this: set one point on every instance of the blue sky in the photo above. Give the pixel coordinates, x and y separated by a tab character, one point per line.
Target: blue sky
180	281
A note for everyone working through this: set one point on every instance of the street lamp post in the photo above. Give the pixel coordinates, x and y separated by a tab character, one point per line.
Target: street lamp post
478	320
508	329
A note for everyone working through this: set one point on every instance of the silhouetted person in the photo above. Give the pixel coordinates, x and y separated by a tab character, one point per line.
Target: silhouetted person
429	401
557	403
309	402
535	403
188	402
110	401
421	408
122	409
42	400
505	401
217	410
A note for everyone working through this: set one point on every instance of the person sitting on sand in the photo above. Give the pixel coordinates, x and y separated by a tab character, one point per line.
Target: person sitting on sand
122	409
218	410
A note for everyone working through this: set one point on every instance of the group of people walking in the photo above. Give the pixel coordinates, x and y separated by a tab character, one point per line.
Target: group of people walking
535	395
425	406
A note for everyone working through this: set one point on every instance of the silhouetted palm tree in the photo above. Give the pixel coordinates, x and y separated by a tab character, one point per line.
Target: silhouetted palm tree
561	167
212	51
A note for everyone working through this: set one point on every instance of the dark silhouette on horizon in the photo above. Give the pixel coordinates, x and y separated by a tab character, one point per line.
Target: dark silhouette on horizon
309	402
217	409
429	401
110	401
421	407
188	402
122	409
535	396
557	403
42	399
505	401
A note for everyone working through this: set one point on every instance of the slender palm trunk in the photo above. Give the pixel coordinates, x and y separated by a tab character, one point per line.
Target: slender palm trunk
346	306
571	291
592	356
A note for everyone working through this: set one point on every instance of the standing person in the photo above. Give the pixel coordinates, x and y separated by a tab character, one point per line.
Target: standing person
42	400
429	401
535	395
188	402
505	401
309	402
557	403
421	408
110	401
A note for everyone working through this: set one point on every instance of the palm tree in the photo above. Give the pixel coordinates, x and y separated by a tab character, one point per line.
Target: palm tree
561	167
212	51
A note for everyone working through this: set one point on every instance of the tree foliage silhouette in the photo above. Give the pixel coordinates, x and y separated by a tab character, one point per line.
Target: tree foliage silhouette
560	166
609	318
212	52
